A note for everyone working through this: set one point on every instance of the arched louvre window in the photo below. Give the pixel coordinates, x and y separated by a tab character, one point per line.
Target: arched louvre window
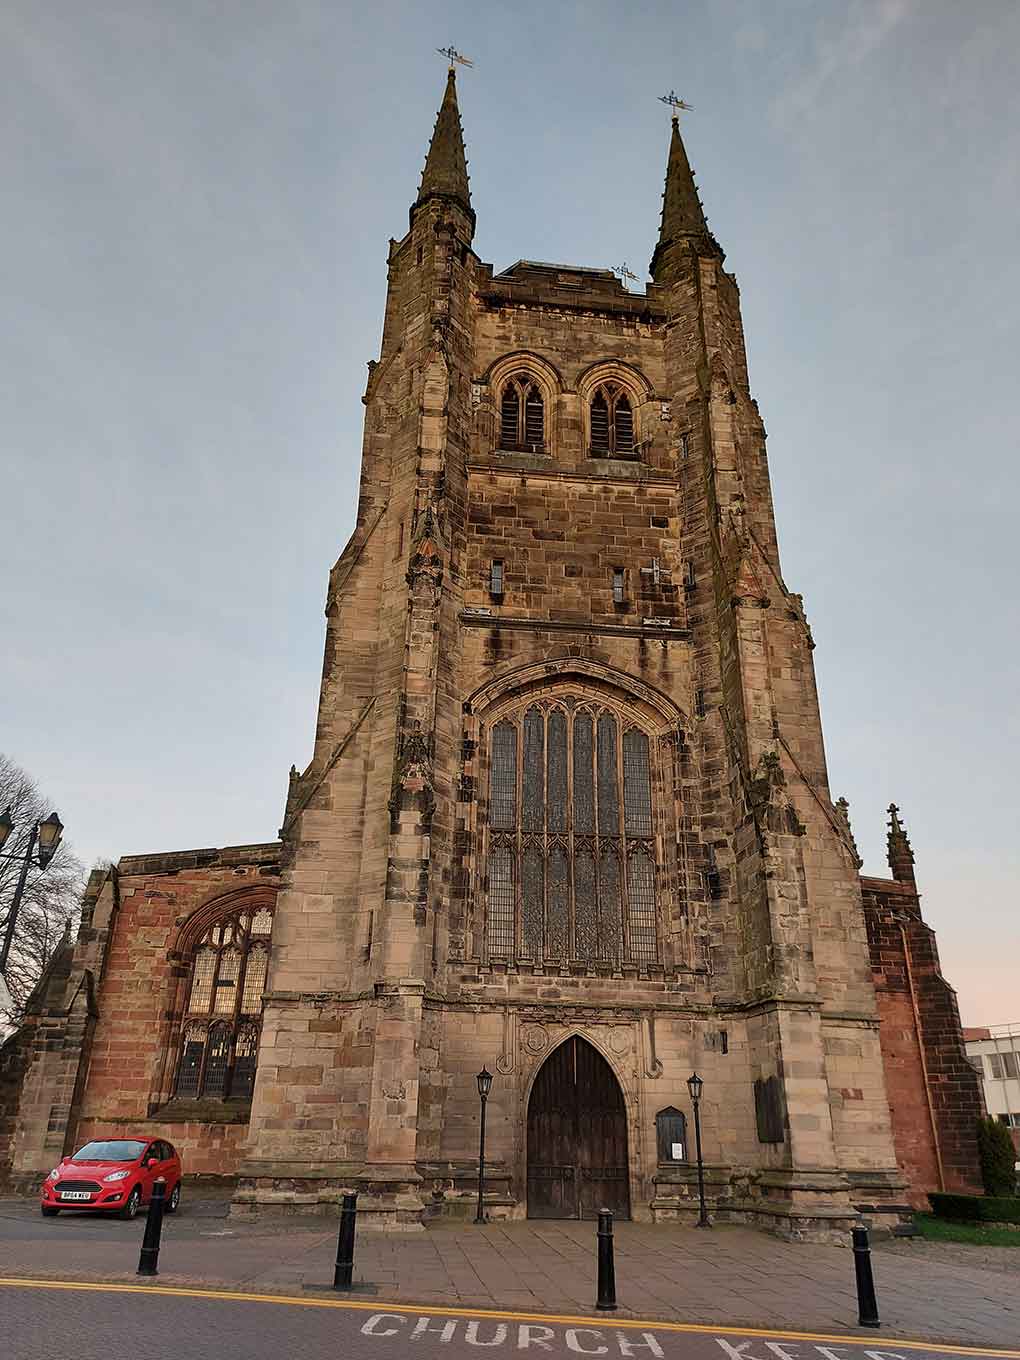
570	868
522	416
612	422
219	1036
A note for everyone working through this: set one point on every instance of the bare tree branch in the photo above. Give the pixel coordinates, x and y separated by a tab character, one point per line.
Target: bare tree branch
52	898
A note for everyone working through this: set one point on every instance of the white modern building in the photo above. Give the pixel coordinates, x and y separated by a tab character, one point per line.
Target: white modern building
995	1053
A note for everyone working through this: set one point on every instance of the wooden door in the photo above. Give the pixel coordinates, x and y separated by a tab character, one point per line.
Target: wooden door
577	1137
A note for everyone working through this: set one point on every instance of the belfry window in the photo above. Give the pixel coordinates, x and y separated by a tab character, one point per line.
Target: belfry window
570	870
612	423
219	1040
522	416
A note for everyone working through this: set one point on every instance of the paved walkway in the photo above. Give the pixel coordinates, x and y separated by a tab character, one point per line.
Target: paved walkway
729	1275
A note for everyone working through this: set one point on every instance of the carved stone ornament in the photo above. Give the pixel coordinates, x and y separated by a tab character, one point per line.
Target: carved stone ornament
536	1039
620	1039
770	802
412	776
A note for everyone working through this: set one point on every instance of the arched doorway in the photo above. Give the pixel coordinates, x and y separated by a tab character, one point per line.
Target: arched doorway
577	1137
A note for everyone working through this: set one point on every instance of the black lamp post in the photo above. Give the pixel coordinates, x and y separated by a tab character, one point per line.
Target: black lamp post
48	834
484	1080
694	1085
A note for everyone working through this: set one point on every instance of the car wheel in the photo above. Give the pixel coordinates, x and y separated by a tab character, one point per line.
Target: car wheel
134	1201
174	1202
48	1211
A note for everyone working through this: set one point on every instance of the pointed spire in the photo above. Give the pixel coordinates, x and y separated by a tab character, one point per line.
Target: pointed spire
445	174
682	213
901	857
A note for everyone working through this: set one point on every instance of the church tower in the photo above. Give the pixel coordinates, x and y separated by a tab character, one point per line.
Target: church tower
567	816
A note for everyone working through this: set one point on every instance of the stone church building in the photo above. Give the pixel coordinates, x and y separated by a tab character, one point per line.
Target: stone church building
567	816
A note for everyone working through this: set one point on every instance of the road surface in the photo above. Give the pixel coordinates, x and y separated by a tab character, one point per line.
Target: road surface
51	1321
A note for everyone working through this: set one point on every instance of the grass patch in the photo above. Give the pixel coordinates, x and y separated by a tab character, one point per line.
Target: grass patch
934	1229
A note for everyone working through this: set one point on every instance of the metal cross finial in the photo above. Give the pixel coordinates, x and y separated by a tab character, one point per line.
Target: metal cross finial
454	57
675	103
624	271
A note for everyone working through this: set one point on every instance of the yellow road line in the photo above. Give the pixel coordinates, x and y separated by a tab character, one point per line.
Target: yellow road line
432	1310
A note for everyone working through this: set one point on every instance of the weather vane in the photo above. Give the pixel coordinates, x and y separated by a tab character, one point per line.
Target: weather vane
454	57
675	103
624	271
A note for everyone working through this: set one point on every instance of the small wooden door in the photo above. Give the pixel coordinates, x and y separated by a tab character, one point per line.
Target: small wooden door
577	1137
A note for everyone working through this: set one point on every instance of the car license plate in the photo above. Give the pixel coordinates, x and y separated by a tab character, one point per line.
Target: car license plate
75	1194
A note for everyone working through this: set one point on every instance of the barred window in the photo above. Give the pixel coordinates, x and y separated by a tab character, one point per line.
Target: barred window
570	852
611	418
522	416
219	1035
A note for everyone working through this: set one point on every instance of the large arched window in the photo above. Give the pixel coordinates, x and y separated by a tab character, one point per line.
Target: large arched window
522	415
219	1040
570	870
612	422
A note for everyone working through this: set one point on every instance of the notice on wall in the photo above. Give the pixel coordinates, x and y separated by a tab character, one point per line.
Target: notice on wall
678	1152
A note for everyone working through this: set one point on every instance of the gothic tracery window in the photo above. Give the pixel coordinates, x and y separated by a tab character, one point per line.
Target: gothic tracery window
570	867
219	1040
612	422
522	415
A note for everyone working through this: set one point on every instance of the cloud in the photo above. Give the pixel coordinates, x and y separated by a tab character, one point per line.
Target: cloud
867	26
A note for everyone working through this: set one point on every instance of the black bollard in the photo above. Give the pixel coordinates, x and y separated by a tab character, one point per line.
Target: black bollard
343	1273
867	1304
148	1257
607	1271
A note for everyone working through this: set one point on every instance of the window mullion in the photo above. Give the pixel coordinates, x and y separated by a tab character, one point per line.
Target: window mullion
624	941
569	837
200	1084
518	868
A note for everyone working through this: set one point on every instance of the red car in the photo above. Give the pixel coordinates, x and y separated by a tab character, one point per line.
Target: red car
116	1174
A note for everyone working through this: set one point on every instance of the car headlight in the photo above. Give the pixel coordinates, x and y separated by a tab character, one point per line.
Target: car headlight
54	1174
116	1176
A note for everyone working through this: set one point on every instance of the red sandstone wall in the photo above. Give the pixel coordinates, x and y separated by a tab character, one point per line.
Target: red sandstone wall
934	1093
131	1070
904	1080
206	1149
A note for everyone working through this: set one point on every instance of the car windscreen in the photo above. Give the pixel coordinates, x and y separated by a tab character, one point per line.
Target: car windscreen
118	1150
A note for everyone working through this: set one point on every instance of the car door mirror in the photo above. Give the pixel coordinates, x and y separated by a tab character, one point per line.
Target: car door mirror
150	1162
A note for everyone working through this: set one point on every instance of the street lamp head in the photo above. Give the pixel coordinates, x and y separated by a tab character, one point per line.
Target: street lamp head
6	826
694	1085
484	1080
50	832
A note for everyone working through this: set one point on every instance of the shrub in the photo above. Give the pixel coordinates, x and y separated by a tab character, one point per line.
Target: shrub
976	1208
998	1156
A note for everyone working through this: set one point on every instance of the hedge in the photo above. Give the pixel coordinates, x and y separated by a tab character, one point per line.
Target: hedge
998	1157
976	1208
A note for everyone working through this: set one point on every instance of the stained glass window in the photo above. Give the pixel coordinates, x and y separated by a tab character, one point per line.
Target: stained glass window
533	903
556	811
584	797
533	778
557	888
218	1044
609	800
202	980
501	901
246	1052
637	784
641	901
610	937
558	911
217	1061
503	784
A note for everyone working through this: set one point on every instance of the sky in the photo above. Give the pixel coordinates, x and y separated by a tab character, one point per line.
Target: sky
197	201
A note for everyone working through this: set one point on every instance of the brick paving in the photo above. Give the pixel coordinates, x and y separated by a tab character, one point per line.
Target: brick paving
731	1275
